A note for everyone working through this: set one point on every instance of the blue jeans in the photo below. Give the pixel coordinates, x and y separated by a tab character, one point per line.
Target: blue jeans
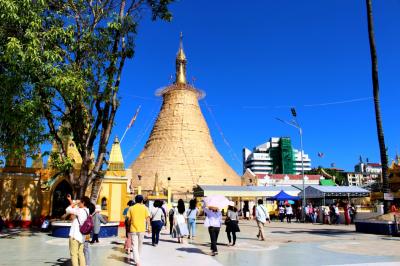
155	231
192	227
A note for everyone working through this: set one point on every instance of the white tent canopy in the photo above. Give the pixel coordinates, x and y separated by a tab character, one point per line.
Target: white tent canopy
320	192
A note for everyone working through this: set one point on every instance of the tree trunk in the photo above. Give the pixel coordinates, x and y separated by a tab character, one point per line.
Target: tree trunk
375	82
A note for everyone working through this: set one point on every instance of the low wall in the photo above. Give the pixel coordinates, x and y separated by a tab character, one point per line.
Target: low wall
61	229
376	227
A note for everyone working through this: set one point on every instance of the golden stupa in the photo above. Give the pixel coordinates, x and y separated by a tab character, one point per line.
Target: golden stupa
180	149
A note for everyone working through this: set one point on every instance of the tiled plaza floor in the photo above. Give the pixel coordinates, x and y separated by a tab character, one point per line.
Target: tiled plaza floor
287	244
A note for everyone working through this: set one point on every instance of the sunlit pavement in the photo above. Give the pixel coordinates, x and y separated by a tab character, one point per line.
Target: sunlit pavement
287	244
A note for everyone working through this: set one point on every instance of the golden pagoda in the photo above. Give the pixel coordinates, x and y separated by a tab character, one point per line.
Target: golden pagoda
180	149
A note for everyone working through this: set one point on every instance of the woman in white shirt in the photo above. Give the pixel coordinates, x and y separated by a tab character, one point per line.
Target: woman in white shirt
76	239
180	221
213	221
157	222
289	213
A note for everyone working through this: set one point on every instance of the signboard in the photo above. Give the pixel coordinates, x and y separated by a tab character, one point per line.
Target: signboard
388	196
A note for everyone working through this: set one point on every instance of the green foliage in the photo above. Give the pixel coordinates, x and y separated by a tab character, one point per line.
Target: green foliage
61	63
64	165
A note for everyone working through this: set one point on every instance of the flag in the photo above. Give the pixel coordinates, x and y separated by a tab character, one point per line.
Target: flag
134	117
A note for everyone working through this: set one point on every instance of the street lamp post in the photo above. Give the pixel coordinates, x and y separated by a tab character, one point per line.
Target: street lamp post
295	124
169	195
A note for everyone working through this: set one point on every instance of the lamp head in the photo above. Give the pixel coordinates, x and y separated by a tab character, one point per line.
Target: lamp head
293	110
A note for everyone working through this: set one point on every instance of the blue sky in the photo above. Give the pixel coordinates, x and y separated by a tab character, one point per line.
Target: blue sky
272	55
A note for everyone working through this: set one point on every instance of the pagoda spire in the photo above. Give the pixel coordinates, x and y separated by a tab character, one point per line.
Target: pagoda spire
180	75
116	161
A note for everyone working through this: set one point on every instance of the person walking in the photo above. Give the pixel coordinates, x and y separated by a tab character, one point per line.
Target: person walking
191	214
157	218
337	213
171	215
128	240
261	218
281	210
311	213
86	245
213	222
327	219
98	219
289	213
180	223
139	218
164	208
298	214
332	214
346	213
76	240
315	214
232	224
353	213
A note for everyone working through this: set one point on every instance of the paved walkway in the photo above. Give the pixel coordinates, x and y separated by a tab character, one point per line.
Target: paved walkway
287	244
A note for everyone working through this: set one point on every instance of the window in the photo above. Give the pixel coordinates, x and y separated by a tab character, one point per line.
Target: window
104	203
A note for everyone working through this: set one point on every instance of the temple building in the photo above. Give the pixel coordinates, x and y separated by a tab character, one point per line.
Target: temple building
30	193
180	149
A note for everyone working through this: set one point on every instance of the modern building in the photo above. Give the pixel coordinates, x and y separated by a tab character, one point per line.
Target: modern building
277	156
365	174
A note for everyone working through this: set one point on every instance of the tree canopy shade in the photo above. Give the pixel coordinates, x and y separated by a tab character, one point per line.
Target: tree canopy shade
62	63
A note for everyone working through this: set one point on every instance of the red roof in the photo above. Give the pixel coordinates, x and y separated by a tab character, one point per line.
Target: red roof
374	164
294	177
260	176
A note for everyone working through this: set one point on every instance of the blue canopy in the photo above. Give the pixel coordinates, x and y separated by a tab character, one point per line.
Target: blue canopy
282	196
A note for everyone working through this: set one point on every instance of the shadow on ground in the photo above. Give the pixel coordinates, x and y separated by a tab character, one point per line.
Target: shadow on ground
60	262
324	232
191	250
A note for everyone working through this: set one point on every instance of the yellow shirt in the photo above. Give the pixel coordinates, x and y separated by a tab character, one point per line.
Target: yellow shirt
137	214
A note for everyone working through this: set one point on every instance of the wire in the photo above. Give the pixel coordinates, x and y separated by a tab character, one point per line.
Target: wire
310	105
231	151
139	138
340	102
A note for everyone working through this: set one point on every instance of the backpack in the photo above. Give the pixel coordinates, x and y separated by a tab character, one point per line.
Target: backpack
87	226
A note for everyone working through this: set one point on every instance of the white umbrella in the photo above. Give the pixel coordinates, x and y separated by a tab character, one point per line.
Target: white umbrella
217	201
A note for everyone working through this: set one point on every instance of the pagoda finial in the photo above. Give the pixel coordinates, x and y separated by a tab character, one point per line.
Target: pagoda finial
180	76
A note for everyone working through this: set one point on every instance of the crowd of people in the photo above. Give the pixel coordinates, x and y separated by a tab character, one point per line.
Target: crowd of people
139	220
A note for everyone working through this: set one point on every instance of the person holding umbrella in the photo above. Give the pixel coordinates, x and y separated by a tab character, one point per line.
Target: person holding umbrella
213	205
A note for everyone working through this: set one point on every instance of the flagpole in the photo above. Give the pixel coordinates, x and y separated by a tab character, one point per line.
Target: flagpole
123	136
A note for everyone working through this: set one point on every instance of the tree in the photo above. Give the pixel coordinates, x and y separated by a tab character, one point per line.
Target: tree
21	127
378	118
79	51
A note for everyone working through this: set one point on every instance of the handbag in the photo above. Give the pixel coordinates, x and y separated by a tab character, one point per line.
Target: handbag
227	220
